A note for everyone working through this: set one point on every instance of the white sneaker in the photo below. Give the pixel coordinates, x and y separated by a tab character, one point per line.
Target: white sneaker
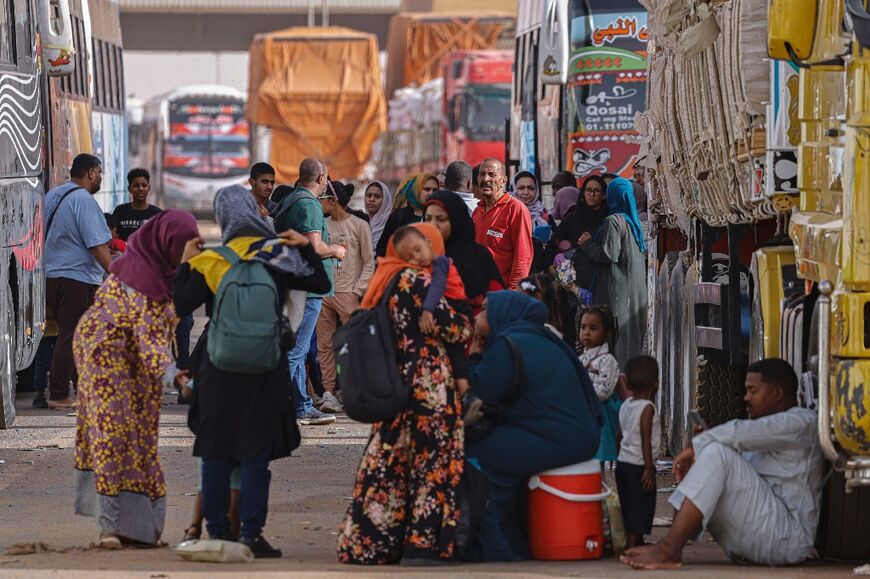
331	404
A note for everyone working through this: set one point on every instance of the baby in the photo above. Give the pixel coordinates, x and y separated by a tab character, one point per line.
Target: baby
413	247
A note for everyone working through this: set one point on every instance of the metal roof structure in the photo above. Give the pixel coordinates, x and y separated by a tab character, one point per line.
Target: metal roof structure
259	6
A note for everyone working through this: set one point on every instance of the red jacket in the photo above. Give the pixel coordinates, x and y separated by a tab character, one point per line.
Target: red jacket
505	230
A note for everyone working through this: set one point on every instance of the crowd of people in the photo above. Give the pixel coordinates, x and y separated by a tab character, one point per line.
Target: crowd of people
503	312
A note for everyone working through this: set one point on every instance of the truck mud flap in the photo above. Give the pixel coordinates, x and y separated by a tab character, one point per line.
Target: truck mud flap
844	523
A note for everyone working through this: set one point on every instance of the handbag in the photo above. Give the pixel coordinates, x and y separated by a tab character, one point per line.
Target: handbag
481	418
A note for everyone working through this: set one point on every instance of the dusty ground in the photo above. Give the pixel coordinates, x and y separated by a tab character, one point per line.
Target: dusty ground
309	496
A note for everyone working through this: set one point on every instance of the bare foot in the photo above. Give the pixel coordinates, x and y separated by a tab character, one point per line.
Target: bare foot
651	557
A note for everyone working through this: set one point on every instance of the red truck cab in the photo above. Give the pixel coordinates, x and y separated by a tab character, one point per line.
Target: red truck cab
477	99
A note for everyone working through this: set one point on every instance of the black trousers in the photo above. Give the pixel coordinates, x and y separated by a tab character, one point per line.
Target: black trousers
638	506
66	300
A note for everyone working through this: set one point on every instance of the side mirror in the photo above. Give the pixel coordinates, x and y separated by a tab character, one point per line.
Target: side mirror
554	48
55	29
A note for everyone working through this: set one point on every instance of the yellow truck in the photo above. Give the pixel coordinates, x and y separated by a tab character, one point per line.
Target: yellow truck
757	144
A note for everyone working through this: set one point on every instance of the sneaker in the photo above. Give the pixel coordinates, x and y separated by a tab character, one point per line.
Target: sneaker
331	404
315	417
40	402
260	547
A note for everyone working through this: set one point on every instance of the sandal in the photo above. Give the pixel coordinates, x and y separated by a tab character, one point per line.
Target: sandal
192	533
109	543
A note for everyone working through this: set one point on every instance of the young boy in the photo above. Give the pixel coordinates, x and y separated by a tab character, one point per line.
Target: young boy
117	246
641	439
132	215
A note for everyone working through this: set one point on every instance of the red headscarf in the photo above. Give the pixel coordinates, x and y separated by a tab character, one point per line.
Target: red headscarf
153	253
391	265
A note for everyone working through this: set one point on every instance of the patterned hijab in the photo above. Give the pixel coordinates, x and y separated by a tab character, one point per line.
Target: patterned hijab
379	219
411	192
620	200
153	252
237	214
536	207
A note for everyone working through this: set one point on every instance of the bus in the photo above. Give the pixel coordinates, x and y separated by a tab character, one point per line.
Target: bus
583	122
87	107
194	141
61	93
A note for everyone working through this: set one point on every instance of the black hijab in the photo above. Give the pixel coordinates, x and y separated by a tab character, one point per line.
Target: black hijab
473	261
583	218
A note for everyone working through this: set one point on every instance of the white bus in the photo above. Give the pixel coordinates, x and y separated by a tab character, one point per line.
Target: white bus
194	141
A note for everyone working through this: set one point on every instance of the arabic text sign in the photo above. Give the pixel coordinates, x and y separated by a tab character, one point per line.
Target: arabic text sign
607	87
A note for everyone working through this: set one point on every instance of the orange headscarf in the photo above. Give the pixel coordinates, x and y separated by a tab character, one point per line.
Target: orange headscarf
391	265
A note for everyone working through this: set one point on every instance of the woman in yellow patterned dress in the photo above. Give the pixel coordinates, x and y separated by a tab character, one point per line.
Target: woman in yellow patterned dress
121	349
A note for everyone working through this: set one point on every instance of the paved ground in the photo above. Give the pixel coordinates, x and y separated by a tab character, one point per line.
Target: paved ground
309	496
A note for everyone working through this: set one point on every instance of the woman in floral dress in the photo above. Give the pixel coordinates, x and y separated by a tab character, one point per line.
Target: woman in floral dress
404	502
121	349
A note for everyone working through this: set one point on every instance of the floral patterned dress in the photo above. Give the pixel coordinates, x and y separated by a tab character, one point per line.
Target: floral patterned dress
404	500
121	349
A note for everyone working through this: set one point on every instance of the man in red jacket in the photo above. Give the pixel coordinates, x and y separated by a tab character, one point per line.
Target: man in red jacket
503	224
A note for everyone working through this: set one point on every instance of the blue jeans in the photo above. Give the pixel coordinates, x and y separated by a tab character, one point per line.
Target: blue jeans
253	496
296	357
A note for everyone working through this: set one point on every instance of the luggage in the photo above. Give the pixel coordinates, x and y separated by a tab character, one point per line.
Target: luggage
366	367
244	336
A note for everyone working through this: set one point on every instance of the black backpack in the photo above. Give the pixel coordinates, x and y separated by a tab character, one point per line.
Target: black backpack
367	372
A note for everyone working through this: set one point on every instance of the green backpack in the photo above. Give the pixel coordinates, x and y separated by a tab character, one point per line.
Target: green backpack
244	333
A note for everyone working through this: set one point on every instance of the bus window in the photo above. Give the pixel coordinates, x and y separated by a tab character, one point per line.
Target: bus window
114	71
109	81
7	50
98	73
119	69
82	64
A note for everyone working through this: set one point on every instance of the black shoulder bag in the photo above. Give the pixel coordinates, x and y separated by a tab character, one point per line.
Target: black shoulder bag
481	418
366	366
56	207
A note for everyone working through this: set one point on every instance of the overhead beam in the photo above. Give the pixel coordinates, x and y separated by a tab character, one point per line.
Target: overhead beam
228	32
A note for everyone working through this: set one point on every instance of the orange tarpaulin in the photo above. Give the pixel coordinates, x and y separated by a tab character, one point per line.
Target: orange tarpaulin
418	42
319	90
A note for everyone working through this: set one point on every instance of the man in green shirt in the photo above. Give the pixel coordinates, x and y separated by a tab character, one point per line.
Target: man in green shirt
301	211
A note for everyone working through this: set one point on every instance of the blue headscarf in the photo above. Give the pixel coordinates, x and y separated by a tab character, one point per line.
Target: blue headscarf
620	199
509	311
512	312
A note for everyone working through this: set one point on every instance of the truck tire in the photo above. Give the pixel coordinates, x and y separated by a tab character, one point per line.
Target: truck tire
844	522
8	364
720	392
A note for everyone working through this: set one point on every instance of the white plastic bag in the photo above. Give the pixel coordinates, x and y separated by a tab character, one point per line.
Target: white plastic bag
214	551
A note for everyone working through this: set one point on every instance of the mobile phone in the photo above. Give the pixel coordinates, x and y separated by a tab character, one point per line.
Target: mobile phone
696	419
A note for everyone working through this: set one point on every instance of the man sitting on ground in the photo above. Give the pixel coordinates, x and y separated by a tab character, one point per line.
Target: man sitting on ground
755	484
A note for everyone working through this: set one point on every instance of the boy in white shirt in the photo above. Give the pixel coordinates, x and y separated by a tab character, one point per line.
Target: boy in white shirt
641	440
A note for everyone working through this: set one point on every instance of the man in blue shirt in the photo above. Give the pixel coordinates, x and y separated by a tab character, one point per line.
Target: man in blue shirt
302	212
76	258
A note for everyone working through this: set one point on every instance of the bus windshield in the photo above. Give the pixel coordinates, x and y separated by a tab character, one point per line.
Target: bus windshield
207	139
487	107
